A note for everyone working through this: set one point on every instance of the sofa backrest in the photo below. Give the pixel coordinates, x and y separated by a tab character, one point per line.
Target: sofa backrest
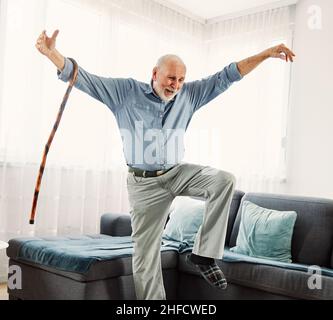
235	203
313	231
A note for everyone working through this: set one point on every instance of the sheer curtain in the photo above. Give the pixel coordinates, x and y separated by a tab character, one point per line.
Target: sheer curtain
243	131
85	174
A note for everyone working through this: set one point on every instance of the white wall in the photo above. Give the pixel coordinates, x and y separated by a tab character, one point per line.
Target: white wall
310	136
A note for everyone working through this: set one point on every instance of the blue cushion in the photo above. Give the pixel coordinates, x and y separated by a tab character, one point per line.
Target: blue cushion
185	220
265	233
77	255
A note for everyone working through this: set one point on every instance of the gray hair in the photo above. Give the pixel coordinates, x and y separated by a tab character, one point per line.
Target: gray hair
164	59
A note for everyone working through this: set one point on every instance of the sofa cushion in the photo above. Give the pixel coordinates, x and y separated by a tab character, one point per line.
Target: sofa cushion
273	279
102	270
313	231
265	233
185	220
80	267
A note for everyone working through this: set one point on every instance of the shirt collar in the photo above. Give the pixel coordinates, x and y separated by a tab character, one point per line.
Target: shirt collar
150	88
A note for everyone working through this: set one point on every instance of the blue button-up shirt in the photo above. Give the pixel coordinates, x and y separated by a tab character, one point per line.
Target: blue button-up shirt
152	130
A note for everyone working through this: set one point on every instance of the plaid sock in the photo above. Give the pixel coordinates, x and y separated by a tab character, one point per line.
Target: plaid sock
211	273
214	275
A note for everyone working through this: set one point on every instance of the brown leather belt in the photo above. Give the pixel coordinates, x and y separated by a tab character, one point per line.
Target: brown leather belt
147	174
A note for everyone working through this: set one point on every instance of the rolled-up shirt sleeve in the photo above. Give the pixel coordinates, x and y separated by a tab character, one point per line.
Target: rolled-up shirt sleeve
66	73
203	91
110	91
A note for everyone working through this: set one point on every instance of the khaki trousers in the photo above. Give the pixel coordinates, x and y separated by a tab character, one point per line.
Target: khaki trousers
150	200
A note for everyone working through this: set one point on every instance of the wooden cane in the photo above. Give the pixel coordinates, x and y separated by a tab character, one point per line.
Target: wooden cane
49	142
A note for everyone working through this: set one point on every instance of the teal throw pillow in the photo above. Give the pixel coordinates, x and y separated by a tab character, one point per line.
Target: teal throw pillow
265	233
185	220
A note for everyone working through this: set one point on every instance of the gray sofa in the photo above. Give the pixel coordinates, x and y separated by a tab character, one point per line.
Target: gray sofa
312	244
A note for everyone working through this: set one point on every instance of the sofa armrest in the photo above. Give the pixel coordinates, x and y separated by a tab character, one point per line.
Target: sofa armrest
116	224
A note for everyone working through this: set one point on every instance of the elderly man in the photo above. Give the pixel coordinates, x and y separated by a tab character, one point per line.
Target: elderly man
161	111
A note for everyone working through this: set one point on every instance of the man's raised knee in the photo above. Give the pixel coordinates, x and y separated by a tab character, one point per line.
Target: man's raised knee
225	178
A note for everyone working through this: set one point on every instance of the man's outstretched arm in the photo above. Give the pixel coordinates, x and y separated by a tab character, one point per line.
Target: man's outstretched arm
281	51
47	47
110	91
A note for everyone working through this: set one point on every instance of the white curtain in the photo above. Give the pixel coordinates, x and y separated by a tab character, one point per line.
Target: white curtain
85	174
242	131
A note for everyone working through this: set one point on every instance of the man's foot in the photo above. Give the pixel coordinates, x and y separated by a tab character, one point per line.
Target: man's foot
210	272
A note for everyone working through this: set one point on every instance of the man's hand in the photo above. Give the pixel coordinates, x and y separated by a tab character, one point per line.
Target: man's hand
282	52
46	45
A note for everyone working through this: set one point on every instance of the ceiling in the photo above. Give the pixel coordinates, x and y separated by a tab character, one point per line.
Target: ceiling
212	9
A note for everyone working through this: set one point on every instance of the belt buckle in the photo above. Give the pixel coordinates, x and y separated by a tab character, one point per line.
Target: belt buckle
144	174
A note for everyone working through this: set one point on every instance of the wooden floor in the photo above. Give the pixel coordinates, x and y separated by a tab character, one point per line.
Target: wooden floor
3	291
